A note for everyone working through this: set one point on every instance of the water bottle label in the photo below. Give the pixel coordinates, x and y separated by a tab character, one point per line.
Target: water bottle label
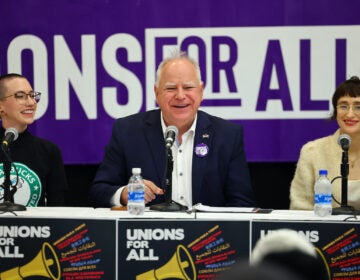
136	196
323	198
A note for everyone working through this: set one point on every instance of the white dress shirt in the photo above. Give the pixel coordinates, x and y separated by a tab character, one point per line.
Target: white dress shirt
182	171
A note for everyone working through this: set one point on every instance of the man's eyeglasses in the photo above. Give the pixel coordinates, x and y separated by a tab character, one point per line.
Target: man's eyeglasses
344	108
22	96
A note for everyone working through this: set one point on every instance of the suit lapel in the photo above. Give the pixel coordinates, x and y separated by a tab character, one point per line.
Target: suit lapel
155	139
203	136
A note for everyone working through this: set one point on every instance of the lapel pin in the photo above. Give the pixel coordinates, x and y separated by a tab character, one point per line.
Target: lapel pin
205	135
201	150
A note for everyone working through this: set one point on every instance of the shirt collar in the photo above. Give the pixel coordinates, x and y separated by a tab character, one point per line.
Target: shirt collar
163	125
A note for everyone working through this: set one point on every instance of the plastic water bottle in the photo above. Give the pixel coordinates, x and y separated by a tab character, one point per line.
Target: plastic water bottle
323	191
136	189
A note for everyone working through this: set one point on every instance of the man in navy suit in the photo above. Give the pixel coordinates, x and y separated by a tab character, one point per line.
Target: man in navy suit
209	163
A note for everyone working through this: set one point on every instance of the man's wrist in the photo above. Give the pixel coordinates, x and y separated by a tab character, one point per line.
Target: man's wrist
124	196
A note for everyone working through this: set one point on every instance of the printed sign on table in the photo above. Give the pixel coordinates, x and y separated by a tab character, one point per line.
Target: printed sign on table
338	245
57	249
161	249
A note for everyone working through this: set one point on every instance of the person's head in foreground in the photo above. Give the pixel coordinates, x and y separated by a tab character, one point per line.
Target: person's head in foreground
291	250
244	271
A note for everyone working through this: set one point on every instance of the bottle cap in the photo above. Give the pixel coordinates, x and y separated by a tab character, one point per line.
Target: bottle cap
136	170
323	172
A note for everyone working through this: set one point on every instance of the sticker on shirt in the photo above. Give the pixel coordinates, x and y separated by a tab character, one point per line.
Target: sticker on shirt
28	185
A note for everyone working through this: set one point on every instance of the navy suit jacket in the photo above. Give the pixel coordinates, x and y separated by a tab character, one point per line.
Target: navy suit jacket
221	178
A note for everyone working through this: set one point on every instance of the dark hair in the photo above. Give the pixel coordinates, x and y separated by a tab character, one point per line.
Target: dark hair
267	271
292	251
6	77
350	87
302	264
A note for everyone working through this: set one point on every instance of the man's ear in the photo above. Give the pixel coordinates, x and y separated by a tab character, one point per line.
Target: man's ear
2	109
202	90
156	91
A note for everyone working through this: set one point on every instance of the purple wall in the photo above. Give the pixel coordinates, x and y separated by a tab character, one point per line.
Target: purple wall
270	65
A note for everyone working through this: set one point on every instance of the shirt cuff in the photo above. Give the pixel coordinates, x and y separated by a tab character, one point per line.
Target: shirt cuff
115	199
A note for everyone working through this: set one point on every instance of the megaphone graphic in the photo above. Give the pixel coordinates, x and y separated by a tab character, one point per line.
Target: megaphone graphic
45	264
324	262
180	266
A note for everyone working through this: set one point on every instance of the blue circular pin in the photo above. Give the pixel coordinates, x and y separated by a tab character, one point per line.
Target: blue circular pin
201	150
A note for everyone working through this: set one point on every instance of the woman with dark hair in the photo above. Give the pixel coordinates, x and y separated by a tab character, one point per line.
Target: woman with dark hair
326	153
37	166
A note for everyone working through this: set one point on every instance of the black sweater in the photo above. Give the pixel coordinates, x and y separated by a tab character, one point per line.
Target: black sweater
42	180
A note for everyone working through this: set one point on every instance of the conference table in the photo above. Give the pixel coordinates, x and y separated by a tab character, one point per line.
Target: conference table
100	243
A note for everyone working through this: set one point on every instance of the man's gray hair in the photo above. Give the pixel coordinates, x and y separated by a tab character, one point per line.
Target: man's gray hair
174	56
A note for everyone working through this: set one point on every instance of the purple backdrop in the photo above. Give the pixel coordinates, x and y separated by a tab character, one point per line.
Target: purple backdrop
270	65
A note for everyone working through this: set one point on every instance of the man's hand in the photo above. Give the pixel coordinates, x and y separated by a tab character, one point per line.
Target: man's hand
151	190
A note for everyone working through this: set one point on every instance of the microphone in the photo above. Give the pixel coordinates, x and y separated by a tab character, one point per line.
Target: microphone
344	141
171	133
10	135
169	205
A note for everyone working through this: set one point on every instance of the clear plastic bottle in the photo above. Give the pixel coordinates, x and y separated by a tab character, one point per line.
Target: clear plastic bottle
323	191
136	188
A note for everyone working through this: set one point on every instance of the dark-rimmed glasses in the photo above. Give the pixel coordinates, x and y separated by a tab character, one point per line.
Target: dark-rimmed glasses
22	96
